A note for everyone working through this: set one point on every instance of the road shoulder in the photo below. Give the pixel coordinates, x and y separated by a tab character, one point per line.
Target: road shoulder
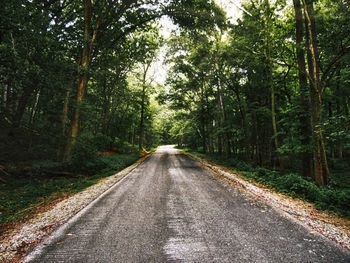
23	238
330	226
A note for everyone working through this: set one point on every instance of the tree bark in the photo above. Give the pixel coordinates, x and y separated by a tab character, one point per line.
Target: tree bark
34	108
276	160
22	104
9	100
84	66
142	125
321	170
304	96
143	100
65	112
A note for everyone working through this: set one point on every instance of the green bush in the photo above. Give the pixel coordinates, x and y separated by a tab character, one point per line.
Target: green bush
239	165
102	142
22	194
117	162
335	200
125	147
335	197
298	186
85	153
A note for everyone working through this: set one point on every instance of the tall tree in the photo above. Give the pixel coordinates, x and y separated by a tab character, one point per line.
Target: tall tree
127	17
321	169
303	84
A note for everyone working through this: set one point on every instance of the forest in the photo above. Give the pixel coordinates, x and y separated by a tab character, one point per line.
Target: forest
266	93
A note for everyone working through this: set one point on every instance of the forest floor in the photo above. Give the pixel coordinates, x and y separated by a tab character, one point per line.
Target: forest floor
32	187
48	202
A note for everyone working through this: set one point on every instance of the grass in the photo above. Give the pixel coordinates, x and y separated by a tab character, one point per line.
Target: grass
333	198
24	193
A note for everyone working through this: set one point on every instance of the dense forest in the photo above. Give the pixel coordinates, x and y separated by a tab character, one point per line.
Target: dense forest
270	88
78	72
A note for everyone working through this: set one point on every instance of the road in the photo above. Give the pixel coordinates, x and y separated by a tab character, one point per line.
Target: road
170	209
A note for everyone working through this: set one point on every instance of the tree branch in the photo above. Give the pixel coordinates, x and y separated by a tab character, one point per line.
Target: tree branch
332	66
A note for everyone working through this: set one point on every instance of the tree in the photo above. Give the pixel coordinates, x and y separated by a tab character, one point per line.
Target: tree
303	84
127	17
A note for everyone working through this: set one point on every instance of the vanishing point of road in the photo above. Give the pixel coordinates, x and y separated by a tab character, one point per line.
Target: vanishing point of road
170	209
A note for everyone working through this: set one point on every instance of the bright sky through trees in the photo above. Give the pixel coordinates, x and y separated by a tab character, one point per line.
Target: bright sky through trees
233	10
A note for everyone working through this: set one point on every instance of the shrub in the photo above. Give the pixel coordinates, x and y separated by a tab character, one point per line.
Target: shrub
299	186
335	200
125	147
85	153
102	142
239	165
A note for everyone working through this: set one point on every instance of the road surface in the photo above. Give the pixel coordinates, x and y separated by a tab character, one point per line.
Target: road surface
170	209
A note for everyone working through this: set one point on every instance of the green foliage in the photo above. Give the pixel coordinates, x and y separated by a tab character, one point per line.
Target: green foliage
298	186
40	47
23	194
125	147
334	198
86	156
85	152
102	142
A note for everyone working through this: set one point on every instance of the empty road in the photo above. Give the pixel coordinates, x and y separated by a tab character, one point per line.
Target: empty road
170	209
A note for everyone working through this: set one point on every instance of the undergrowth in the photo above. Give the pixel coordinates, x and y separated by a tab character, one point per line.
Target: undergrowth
23	193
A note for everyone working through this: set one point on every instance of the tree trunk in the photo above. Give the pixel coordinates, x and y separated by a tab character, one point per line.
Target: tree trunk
65	113
34	108
22	104
304	96
248	148
105	114
225	138
84	66
321	169
8	100
142	126
143	100
276	160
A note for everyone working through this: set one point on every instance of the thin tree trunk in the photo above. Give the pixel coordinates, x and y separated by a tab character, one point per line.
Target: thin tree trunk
204	139
276	160
84	66
321	169
9	101
143	100
34	108
203	120
105	109
142	126
304	96
247	147
225	139
22	104
65	112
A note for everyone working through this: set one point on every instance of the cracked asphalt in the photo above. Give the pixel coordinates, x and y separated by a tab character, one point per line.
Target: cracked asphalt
170	209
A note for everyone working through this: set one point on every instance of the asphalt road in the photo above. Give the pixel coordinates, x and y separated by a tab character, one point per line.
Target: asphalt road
170	209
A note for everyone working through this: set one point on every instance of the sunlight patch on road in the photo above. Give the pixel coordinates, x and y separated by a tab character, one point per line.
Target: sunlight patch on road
170	149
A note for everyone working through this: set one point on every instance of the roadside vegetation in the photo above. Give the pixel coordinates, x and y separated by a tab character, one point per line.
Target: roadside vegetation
33	187
334	198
